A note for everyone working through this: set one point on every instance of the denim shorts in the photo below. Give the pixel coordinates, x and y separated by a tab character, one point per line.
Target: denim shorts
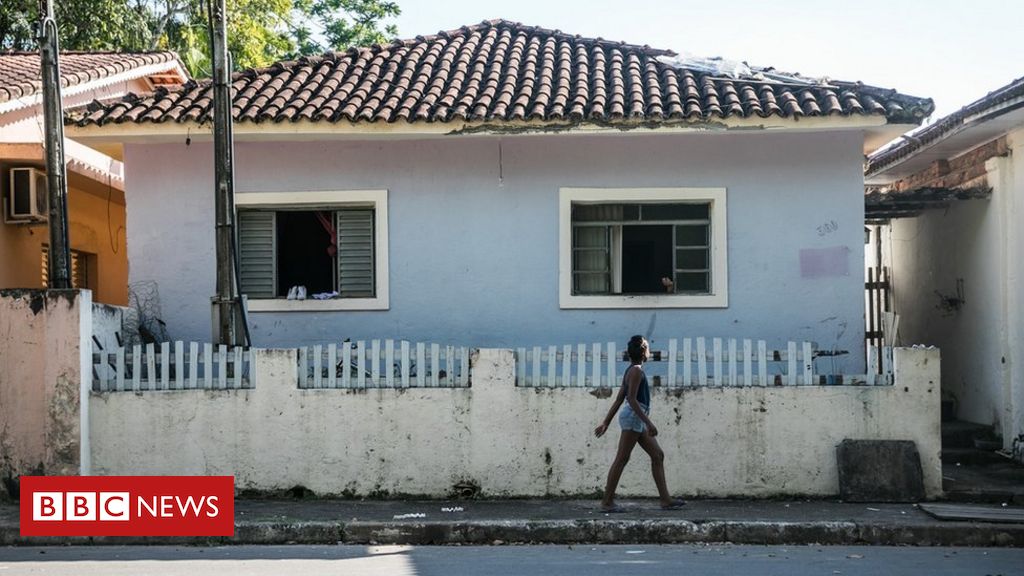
629	420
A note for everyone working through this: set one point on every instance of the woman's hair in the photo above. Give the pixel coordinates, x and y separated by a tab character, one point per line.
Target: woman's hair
635	349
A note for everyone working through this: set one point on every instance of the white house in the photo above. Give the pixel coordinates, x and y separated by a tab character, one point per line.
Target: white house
504	185
951	195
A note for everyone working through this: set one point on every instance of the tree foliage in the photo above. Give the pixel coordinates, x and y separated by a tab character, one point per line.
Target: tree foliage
259	31
83	25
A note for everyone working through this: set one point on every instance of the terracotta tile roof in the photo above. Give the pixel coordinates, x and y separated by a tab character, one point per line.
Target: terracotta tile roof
996	102
500	71
20	74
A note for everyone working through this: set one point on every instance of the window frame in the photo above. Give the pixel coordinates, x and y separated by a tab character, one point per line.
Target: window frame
719	289
328	200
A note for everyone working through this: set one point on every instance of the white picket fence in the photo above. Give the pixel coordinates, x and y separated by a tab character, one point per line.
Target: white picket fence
383	364
171	366
692	362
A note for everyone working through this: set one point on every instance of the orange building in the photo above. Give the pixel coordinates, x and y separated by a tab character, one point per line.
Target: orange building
96	205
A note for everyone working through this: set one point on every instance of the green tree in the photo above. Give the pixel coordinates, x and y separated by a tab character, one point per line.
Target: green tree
342	24
259	31
83	25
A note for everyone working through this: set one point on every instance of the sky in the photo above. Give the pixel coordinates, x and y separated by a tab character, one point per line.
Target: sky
951	51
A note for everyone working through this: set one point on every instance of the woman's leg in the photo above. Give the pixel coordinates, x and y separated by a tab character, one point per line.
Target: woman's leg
627	441
650	445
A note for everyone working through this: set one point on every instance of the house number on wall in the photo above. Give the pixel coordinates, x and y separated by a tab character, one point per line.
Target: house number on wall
828	228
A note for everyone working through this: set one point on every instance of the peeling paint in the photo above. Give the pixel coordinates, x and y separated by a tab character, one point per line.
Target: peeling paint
62	427
576	125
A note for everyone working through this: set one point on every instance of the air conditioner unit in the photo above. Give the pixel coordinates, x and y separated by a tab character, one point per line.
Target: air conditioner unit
27	200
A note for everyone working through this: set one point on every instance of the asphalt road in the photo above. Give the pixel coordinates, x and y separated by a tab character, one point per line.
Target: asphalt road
709	560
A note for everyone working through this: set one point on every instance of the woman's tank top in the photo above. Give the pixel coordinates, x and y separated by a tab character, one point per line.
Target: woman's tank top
643	393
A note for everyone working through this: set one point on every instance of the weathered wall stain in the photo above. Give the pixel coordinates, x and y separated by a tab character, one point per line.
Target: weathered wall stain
501	440
40	363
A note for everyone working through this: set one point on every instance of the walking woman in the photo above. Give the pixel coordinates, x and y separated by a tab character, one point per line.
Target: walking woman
637	428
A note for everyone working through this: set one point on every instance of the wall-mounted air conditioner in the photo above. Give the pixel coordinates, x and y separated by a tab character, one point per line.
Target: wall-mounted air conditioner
27	196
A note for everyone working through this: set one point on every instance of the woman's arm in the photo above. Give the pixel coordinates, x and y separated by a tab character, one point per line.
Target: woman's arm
603	426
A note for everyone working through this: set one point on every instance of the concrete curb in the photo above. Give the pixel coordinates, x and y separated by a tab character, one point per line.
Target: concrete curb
576	532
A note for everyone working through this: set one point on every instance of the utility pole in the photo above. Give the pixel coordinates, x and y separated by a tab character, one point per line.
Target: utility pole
226	300
59	264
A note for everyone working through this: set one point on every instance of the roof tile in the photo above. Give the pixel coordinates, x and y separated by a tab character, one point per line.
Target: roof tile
503	71
20	71
1003	98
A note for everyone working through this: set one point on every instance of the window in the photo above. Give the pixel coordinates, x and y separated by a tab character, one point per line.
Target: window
332	244
655	248
83	268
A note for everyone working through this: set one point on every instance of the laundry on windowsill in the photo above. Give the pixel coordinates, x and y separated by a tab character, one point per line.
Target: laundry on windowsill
325	295
297	293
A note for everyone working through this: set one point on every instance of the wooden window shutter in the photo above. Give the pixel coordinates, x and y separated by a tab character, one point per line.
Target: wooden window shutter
257	253
79	269
356	276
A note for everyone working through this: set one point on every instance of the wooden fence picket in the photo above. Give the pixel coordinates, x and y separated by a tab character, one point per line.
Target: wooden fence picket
720	362
762	363
702	363
169	366
747	360
808	363
581	365
791	368
732	362
687	362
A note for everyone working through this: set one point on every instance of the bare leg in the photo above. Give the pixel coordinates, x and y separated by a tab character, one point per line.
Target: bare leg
627	441
650	445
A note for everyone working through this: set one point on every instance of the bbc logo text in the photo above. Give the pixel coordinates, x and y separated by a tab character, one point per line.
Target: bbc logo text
127	506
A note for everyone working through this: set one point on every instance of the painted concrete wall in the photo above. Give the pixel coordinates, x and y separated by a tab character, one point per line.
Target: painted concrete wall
981	242
719	442
474	233
42	336
108	326
1013	374
96	226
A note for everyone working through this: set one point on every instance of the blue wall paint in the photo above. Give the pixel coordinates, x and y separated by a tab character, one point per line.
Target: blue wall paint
474	242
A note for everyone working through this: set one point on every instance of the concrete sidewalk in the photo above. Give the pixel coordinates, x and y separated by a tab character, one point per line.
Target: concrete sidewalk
572	521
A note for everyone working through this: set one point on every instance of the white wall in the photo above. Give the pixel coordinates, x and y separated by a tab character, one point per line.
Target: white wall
474	221
719	442
982	242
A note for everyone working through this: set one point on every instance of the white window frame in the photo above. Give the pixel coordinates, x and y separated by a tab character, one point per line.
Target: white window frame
329	200
716	197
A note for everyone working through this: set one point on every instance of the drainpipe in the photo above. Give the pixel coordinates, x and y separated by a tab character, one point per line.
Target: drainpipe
59	266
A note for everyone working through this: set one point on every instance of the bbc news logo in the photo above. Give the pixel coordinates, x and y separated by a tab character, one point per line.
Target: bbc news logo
127	506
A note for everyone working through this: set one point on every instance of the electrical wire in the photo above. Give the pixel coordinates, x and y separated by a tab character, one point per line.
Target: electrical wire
111	234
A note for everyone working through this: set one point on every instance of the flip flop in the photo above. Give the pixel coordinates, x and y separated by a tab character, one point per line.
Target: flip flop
676	504
615	510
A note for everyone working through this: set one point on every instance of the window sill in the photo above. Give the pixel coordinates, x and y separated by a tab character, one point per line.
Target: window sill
645	301
282	305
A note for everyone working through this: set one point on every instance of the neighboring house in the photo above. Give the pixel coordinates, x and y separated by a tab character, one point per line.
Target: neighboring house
505	185
952	198
96	217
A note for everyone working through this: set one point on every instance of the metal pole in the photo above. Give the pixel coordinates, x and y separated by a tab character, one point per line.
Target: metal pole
53	123
223	172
